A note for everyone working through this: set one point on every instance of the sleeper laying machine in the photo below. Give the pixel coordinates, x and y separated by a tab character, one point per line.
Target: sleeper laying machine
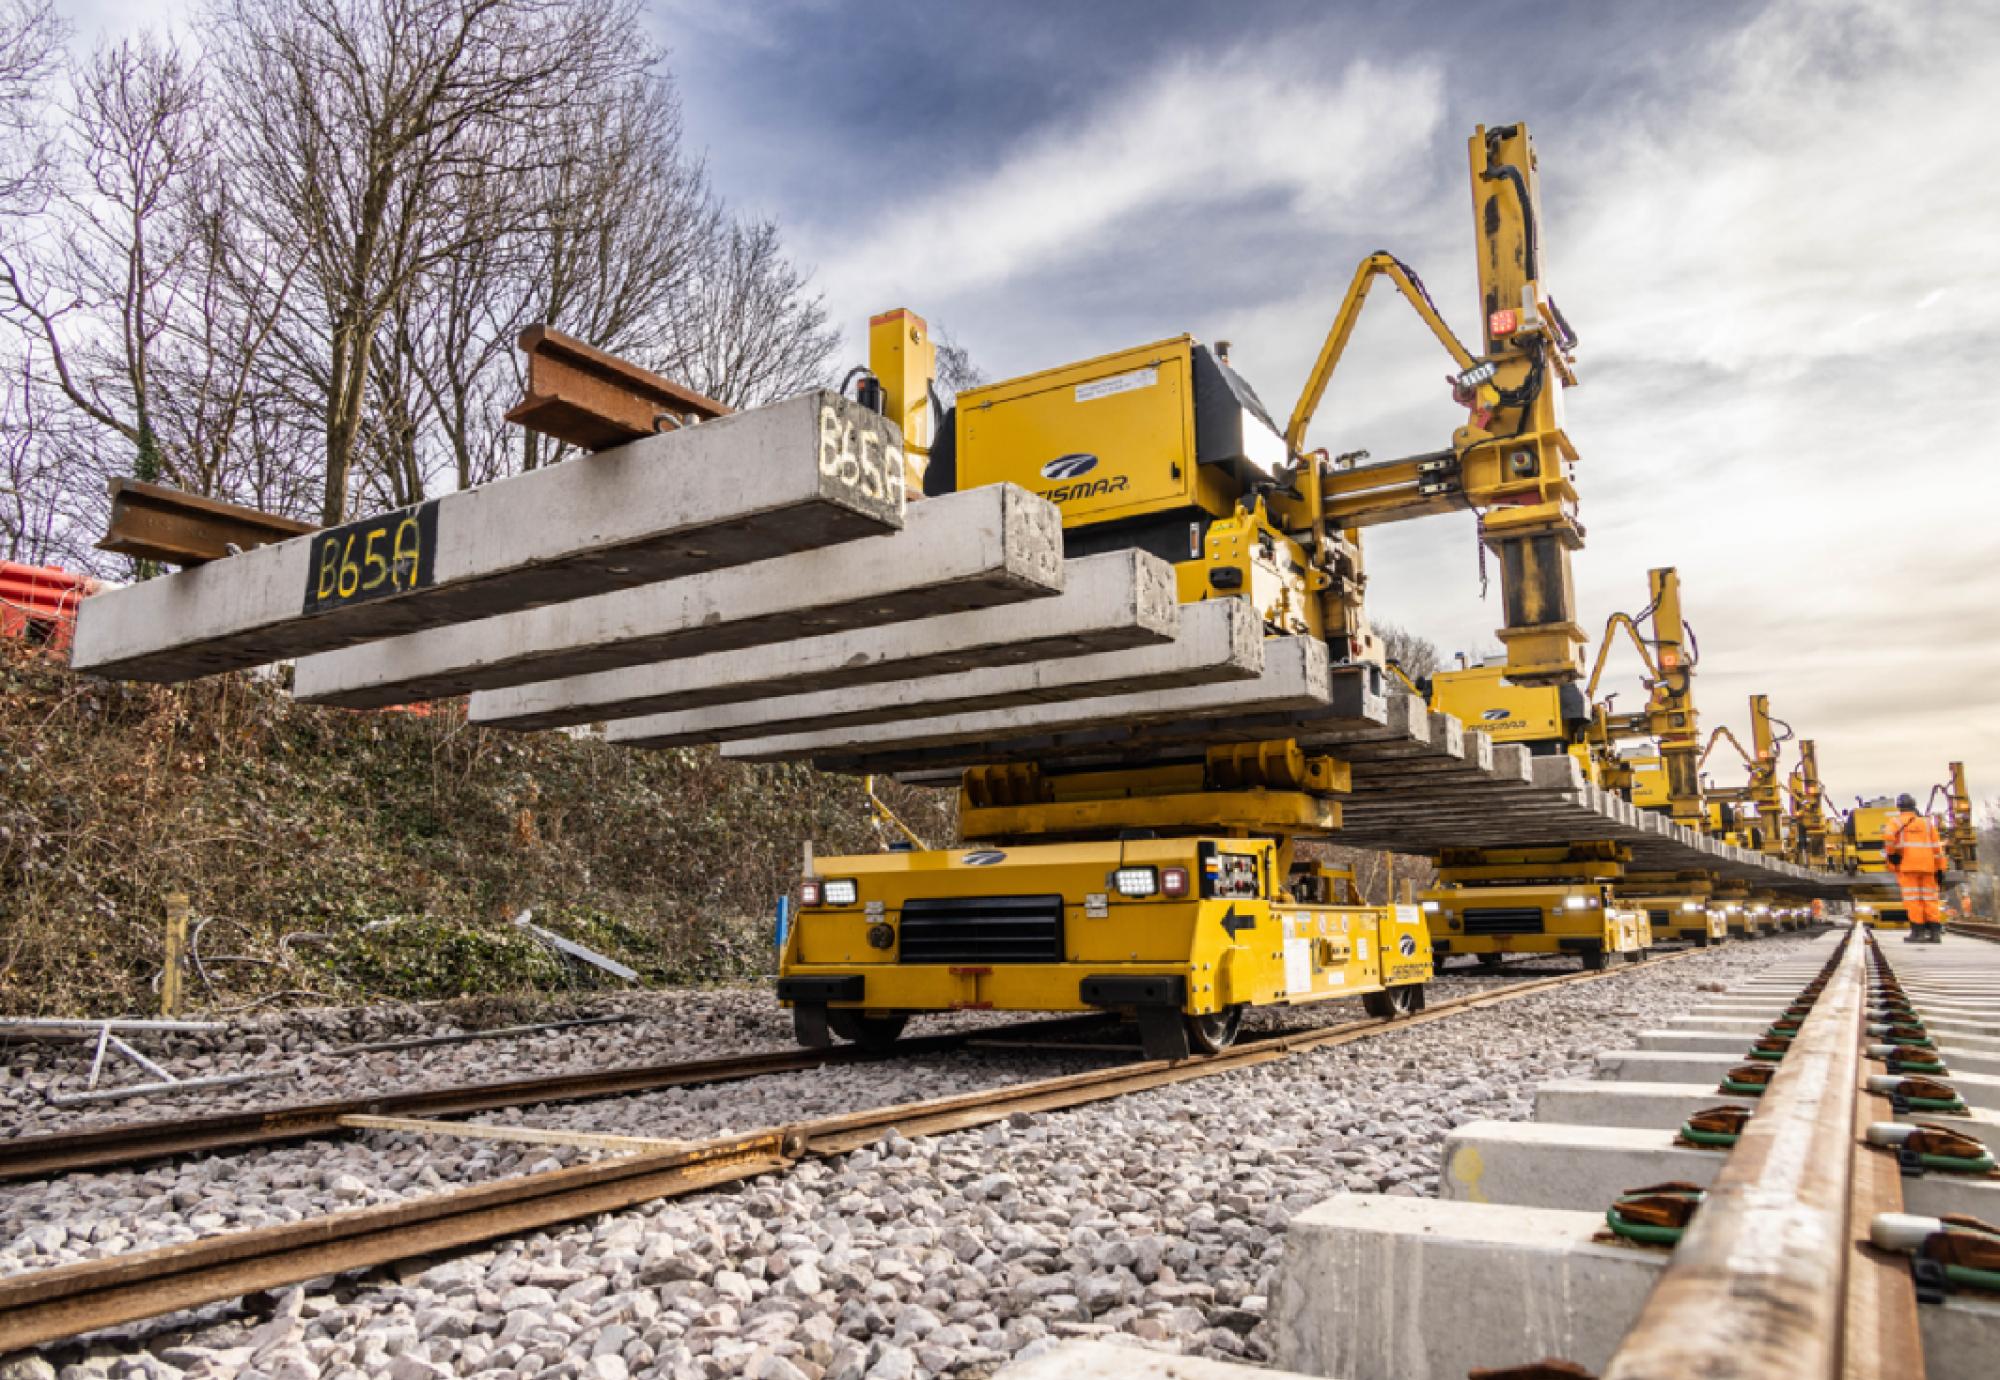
1169	885
1581	897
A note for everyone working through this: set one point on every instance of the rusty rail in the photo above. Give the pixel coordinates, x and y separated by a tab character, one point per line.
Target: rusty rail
48	1305
107	1147
151	522
579	394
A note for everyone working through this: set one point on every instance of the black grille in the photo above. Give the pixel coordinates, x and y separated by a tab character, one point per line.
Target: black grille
1658	917
1504	920
983	929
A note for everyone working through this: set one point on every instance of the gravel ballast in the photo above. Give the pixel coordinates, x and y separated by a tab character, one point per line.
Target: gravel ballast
1158	1217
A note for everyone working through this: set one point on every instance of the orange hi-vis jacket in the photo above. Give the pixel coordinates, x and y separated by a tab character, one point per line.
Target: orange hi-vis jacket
1910	843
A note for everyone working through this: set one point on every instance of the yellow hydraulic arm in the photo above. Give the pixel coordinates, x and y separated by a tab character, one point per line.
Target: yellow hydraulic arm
1511	462
1669	716
1809	821
1961	842
1764	788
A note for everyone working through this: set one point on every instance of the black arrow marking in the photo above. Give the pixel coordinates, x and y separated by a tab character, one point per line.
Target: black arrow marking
1233	924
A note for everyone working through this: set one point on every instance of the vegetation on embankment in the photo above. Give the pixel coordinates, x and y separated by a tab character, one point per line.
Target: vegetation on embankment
365	855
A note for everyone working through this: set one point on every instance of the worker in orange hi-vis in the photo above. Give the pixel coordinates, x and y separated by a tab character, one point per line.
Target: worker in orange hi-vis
1911	844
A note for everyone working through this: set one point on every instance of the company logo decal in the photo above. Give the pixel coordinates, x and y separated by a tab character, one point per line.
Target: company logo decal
1407	946
1073	466
985	857
1494	715
1089	488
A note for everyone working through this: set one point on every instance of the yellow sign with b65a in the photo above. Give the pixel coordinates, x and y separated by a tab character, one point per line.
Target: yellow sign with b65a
392	553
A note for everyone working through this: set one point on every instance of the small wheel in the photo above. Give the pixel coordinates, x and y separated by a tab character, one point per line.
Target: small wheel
870	1032
1215	1032
1489	963
1392	1002
1593	961
809	1025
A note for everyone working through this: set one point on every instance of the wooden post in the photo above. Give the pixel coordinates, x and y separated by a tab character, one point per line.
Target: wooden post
177	935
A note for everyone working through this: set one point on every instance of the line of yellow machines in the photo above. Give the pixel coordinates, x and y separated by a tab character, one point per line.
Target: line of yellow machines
1172	888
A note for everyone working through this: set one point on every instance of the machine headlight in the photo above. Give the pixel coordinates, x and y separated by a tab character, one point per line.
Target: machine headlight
1762	910
842	892
1173	881
1575	903
1431	908
1689	905
1135	881
809	892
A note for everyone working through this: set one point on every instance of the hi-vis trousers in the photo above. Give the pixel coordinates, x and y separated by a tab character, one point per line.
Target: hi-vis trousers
1920	897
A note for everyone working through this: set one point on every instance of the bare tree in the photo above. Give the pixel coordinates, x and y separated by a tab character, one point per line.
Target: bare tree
627	222
138	304
749	333
294	273
31	39
370	132
28	517
1415	653
956	371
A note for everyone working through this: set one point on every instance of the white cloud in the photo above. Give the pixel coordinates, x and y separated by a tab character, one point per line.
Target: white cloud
1781	266
1776	247
1186	134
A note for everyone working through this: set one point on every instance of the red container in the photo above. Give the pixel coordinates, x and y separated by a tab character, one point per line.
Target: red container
38	603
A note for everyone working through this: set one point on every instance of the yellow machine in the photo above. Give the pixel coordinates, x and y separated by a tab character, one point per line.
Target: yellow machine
1742	917
1965	892
1811	831
1860	847
1555	900
1649	790
1492	902
1548	719
1170	892
1683	912
1878	907
1752	815
1558	900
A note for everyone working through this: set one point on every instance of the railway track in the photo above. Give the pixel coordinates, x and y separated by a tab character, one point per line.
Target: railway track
70	1300
1784	1233
106	1147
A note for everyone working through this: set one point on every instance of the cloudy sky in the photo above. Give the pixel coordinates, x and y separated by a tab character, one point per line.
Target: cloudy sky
1769	223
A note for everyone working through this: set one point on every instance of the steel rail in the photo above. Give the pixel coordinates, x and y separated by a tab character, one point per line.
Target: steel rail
106	1147
1881	1334
1756	1287
49	1305
1974	929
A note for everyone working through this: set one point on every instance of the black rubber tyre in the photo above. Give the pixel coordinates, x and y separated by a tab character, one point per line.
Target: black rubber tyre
870	1032
1214	1033
1593	961
810	1026
1392	1002
1489	963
